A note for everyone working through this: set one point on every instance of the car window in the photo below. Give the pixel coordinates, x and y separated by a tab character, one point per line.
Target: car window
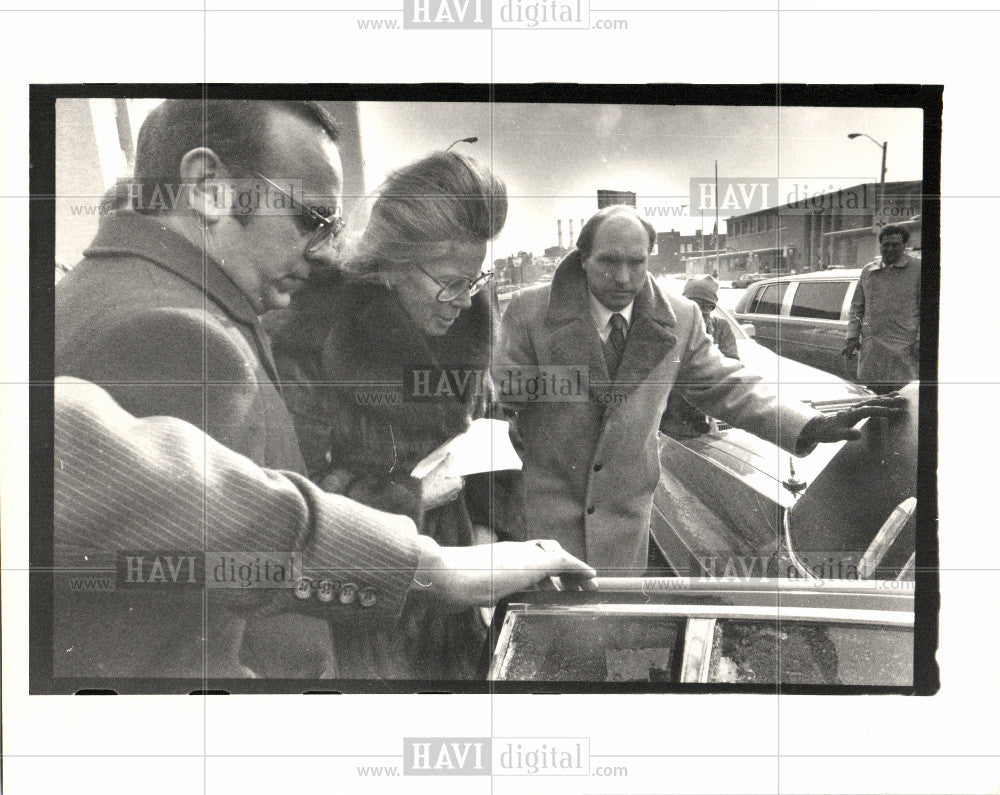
794	652
768	299
552	647
821	300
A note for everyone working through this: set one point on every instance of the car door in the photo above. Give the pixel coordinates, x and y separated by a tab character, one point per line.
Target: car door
763	312
813	332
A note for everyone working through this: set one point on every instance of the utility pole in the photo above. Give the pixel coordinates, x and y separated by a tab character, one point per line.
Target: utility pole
716	216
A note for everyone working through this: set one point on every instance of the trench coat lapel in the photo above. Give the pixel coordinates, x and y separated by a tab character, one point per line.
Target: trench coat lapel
649	338
568	319
575	339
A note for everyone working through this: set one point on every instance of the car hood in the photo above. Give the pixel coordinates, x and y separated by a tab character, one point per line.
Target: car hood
797	381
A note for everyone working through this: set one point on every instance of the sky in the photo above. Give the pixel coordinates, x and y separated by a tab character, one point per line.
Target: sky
554	157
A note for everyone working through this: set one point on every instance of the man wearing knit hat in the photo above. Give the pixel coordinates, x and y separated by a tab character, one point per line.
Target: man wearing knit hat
681	419
704	291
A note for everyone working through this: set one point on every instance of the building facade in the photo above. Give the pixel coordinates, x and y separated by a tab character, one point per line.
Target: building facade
673	251
809	233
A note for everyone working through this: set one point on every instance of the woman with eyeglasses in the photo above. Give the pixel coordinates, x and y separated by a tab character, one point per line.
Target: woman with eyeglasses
361	353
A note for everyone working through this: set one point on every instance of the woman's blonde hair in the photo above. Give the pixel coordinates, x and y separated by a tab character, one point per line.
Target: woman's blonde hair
423	210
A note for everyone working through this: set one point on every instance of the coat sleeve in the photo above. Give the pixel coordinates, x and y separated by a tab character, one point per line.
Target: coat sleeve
124	483
726	341
730	391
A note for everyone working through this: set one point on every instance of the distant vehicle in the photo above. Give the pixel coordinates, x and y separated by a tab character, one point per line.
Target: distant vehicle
803	317
746	279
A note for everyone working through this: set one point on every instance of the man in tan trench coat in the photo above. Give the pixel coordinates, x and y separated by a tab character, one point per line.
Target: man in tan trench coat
590	460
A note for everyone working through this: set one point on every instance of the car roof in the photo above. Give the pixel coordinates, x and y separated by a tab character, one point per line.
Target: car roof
813	276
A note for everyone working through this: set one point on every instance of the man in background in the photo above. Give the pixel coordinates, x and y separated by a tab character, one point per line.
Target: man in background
885	316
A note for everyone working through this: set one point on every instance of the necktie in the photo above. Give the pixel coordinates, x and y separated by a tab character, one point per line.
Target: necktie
617	341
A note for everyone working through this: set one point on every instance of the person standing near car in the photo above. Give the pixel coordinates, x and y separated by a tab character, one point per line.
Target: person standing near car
885	316
591	461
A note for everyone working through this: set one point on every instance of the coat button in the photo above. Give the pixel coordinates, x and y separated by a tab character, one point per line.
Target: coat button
591	509
348	593
303	588
367	597
598	467
326	590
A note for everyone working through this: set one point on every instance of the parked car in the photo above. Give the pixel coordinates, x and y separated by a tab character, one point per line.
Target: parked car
728	495
800	381
746	279
803	317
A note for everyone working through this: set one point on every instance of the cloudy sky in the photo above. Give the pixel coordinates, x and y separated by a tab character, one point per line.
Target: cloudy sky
554	157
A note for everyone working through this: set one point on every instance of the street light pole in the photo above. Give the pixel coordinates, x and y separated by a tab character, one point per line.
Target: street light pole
884	146
470	140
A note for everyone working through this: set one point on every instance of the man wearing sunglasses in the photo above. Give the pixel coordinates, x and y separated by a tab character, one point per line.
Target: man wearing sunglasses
230	205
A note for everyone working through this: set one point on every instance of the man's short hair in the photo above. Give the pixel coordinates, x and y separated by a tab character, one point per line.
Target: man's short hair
894	229
237	130
585	242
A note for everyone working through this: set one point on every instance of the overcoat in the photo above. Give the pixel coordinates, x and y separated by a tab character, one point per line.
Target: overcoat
165	331
590	460
885	315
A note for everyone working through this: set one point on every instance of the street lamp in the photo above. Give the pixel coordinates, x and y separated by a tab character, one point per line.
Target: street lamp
471	140
883	145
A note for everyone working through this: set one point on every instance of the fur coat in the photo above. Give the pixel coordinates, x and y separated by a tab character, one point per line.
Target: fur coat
347	352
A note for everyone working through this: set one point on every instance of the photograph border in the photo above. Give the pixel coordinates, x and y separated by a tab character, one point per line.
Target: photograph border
42	230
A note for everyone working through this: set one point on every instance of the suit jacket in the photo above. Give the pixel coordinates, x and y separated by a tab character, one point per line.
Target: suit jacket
125	484
166	332
590	460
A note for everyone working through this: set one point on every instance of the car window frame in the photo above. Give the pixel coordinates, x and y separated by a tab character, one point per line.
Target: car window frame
761	289
807	319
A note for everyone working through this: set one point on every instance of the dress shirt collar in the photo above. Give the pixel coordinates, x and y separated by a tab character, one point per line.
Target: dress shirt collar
602	316
902	262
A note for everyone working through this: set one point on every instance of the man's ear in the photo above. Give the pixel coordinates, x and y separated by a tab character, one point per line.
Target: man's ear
204	174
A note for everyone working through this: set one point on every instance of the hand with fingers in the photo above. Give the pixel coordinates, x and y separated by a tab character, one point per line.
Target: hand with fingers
839	427
437	487
458	577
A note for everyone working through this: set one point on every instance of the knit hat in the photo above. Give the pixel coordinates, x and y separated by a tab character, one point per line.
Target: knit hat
704	287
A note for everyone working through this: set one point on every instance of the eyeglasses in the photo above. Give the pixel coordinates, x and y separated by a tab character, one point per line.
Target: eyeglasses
326	229
461	285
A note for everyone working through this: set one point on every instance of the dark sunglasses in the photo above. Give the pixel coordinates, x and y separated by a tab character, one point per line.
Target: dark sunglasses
326	229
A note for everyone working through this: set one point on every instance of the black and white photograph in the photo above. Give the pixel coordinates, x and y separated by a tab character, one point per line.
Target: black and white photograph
568	396
502	396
